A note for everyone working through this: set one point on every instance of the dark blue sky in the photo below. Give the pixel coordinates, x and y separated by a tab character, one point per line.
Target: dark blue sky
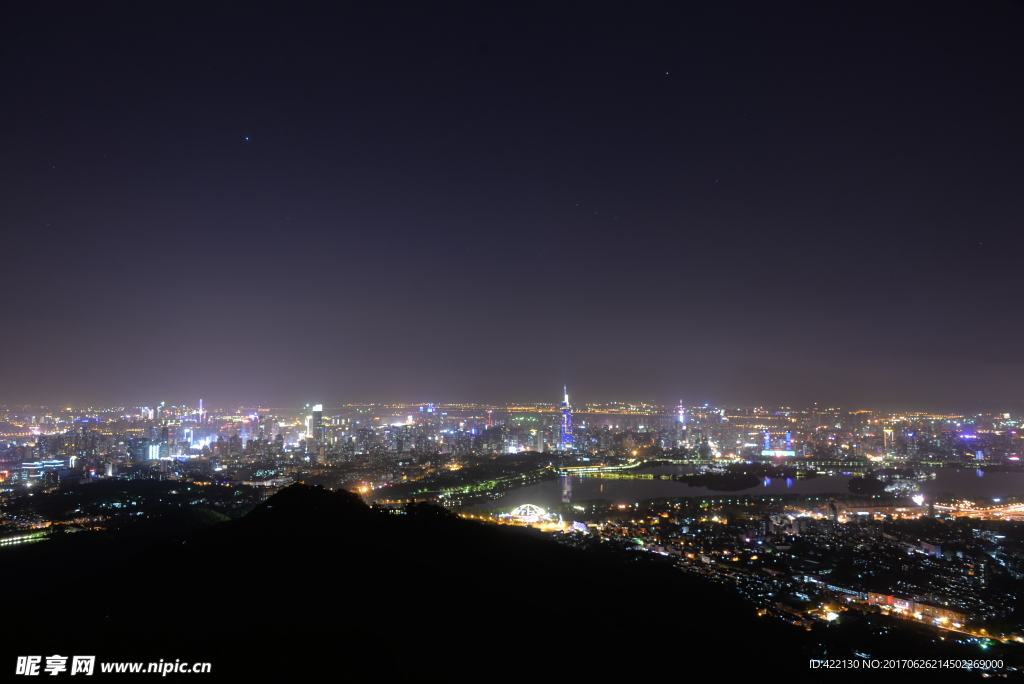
728	202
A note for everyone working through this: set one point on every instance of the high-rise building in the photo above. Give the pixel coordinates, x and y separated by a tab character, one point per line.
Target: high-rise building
316	429
316	424
567	438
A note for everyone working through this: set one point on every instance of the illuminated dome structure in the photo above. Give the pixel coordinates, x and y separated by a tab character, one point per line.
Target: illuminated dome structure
534	516
528	513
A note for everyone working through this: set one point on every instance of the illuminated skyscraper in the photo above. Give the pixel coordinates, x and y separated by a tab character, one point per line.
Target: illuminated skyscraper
681	426
315	437
566	440
316	424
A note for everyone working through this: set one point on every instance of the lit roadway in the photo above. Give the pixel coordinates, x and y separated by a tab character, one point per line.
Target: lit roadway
1005	512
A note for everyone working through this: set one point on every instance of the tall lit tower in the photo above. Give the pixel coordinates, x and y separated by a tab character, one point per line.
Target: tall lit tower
315	433
317	424
566	422
681	427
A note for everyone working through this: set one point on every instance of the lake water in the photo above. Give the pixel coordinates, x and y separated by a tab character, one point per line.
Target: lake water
963	482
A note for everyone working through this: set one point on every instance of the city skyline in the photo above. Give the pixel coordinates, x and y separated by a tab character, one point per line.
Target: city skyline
740	205
812	532
556	405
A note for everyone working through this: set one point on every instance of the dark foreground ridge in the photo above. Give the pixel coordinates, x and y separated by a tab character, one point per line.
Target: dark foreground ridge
315	583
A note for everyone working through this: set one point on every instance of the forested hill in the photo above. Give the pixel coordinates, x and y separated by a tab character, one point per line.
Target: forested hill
315	583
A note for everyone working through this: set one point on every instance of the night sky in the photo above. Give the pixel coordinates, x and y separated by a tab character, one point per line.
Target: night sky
735	203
